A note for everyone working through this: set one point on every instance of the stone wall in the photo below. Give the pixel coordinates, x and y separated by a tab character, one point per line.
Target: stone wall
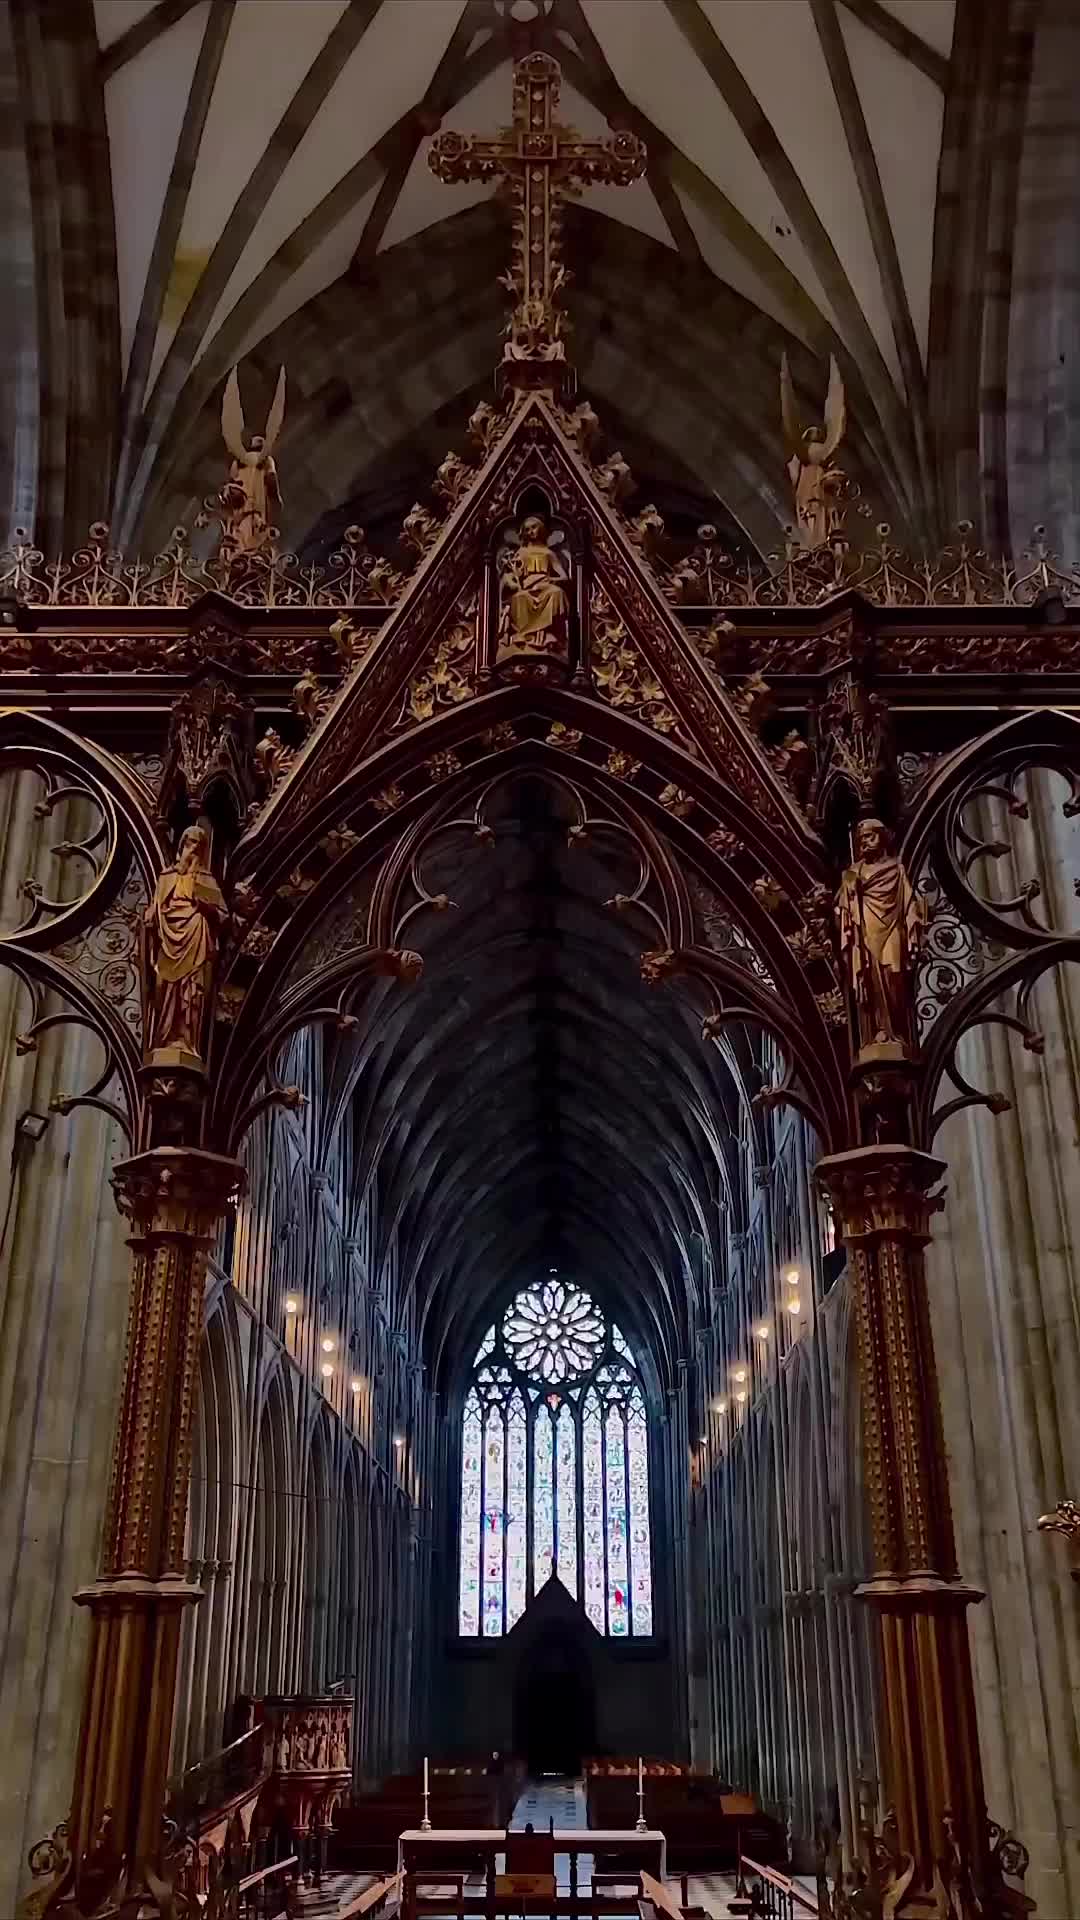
63	1308
1004	1278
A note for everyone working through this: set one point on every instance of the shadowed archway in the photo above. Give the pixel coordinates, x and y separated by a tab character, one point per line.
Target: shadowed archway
554	1704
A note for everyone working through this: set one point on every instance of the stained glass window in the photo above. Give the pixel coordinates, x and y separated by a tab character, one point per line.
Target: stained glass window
494	1518
543	1502
555	1468
566	1497
472	1440
553	1332
593	1510
516	1482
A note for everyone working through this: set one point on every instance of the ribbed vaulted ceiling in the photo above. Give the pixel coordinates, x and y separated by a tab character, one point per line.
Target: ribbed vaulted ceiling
531	1103
265	154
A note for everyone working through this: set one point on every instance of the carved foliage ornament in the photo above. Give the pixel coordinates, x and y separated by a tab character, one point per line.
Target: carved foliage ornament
621	675
210	735
882	1885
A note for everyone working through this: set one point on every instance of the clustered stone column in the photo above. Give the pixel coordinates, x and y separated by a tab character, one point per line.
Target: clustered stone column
882	1200
175	1199
935	1857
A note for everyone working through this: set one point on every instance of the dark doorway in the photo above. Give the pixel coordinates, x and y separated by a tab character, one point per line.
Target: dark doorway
554	1719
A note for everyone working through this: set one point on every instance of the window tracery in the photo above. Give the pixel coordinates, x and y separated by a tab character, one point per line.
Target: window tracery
555	1468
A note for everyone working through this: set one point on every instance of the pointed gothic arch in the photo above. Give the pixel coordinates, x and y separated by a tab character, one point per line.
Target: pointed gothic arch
273	1535
220	1444
319	1531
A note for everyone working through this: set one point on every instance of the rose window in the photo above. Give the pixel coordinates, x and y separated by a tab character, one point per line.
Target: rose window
553	1332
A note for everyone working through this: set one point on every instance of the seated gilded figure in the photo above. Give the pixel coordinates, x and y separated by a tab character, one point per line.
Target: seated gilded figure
534	605
182	927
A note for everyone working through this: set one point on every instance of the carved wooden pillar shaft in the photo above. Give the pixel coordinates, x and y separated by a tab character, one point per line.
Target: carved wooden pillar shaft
881	1197
175	1198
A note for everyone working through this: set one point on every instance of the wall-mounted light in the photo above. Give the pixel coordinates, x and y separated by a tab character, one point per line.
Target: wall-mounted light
399	1439
719	1406
292	1304
741	1396
762	1330
740	1373
794	1305
792	1276
703	1440
329	1344
327	1369
357	1386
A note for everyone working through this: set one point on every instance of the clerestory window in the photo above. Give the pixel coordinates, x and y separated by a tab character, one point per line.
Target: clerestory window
555	1468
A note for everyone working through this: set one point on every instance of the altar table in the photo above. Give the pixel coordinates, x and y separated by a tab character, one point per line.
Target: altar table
448	1855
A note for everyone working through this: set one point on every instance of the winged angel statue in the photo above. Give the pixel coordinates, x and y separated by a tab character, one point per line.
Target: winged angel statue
251	492
819	485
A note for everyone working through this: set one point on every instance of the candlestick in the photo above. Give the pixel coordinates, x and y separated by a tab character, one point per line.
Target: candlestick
425	1824
642	1825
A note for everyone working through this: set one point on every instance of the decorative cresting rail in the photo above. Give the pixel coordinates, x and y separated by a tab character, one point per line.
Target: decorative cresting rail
696	576
835	852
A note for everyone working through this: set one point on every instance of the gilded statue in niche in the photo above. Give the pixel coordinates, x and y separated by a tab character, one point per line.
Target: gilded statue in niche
881	922
181	928
534	605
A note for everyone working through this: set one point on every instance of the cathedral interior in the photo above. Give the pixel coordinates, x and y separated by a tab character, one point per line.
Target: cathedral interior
539	1040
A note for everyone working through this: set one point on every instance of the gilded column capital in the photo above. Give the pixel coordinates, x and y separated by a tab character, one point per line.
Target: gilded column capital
177	1191
883	1189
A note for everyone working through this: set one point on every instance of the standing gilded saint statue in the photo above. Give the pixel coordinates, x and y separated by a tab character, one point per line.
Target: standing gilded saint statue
182	928
881	921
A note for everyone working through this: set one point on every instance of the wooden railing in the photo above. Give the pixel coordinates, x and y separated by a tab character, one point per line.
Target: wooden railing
375	1899
268	1893
202	1791
765	1893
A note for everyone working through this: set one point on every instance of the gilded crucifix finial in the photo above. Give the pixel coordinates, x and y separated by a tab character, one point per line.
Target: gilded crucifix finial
543	163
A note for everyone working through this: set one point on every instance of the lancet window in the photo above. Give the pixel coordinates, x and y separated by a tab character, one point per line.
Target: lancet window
555	1468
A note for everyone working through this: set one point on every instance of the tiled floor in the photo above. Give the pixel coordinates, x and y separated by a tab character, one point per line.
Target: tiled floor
553	1798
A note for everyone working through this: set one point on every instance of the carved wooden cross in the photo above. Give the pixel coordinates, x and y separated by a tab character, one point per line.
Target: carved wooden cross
543	163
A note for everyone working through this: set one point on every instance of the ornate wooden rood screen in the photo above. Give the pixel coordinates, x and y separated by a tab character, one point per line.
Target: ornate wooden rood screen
240	763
